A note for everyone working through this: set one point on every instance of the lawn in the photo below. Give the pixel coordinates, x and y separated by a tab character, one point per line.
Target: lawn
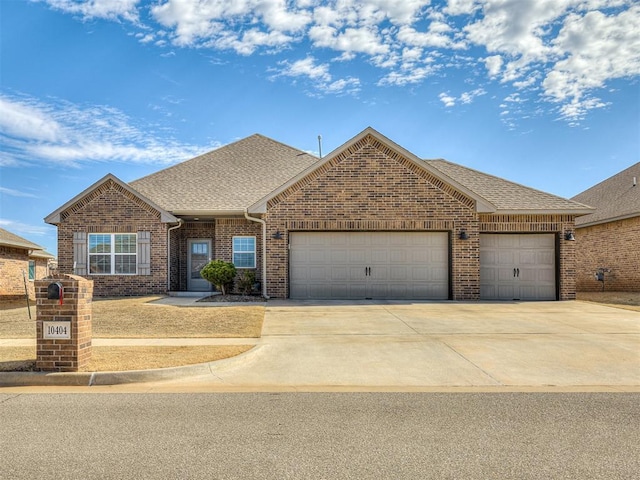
138	318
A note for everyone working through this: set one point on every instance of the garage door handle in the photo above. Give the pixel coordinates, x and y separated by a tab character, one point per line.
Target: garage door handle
518	272
514	273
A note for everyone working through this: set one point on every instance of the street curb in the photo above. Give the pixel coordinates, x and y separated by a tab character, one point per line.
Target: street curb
88	379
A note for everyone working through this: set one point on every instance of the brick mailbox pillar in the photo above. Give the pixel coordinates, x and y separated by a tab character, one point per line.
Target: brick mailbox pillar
63	323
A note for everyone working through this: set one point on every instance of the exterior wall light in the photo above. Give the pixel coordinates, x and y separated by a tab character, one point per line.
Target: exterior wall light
569	236
463	234
277	235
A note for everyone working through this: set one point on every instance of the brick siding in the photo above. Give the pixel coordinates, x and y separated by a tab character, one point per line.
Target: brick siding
14	261
369	187
112	209
612	245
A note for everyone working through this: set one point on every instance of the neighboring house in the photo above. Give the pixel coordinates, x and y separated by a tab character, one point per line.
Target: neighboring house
20	259
609	238
369	220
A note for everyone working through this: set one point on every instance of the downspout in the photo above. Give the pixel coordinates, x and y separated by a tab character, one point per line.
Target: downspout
169	253
264	250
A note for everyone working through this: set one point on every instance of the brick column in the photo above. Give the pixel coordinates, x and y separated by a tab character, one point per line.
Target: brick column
63	327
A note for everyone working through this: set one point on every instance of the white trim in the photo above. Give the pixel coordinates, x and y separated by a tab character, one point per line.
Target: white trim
255	250
112	254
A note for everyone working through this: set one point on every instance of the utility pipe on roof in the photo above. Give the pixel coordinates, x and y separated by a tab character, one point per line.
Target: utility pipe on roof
169	253
264	250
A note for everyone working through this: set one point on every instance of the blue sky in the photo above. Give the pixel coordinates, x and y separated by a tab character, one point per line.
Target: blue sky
540	92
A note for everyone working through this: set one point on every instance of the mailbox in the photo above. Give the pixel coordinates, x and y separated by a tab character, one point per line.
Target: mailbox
55	291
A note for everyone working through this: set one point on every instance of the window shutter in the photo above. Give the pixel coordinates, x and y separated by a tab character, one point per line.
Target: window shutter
80	253
144	253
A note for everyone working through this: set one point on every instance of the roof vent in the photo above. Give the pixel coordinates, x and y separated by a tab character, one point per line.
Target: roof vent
635	181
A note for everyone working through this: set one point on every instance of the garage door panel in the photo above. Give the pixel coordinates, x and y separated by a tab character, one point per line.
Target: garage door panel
522	267
411	265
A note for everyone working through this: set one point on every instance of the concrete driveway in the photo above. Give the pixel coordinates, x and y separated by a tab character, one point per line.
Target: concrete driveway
448	344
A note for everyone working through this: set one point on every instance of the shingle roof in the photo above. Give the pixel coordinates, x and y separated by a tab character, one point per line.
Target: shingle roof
614	198
240	174
505	195
12	240
226	179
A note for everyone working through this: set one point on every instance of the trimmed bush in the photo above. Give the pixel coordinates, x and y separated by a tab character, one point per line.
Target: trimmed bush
220	274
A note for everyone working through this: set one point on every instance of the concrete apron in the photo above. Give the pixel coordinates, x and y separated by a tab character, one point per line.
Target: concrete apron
448	344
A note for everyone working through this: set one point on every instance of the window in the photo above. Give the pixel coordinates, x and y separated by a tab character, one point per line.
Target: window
32	269
244	252
112	253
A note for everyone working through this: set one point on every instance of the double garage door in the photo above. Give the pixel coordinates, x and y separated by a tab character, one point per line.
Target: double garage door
415	266
369	265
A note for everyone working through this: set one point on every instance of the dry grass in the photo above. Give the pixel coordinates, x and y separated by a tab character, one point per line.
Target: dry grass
116	359
626	300
137	318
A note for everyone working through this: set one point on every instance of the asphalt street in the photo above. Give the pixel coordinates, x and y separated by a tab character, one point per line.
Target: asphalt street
320	436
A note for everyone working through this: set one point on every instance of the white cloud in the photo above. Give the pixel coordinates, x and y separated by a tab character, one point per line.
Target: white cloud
16	193
598	48
467	97
25	119
561	50
308	68
63	133
319	76
25	228
447	99
107	9
493	64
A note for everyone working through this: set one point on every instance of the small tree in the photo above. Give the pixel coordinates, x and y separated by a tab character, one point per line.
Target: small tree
219	273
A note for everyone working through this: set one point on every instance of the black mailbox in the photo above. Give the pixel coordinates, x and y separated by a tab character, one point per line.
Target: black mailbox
55	291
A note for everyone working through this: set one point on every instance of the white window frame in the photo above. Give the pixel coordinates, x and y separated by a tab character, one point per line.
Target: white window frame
112	253
235	251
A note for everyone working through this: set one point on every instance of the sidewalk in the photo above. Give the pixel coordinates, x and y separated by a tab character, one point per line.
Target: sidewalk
402	346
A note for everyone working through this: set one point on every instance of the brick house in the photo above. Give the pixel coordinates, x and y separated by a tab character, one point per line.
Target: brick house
20	259
368	220
609	238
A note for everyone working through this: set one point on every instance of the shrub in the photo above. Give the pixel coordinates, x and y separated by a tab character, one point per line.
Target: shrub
245	281
220	274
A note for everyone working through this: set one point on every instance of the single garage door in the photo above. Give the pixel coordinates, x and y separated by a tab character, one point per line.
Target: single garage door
369	265
517	266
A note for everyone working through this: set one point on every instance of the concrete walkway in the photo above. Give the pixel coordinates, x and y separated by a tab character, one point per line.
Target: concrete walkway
407	345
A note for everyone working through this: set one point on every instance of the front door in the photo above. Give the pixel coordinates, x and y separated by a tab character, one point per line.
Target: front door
199	256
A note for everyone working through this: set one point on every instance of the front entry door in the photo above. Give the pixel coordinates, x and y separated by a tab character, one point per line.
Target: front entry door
199	256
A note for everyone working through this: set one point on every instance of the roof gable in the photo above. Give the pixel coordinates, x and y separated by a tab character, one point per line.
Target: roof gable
226	180
55	217
390	149
615	198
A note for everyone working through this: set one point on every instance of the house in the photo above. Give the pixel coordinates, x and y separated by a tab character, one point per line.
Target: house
20	260
368	220
608	240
